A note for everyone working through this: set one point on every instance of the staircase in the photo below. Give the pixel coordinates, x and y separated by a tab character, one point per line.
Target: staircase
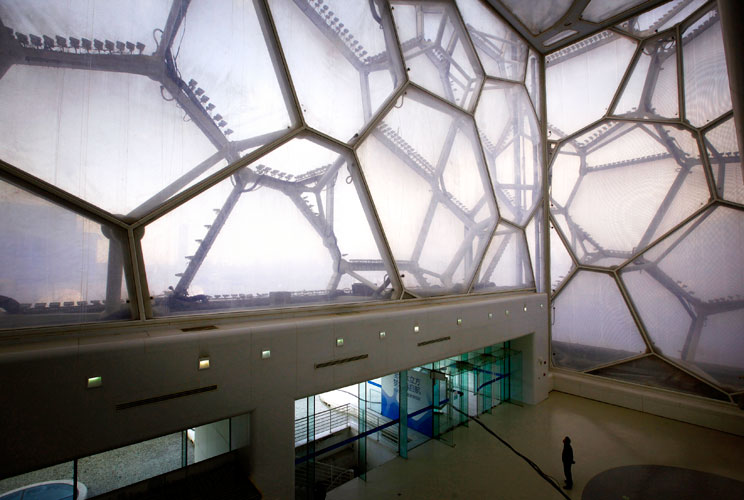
326	475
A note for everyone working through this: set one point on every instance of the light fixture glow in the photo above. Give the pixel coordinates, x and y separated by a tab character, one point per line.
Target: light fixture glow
382	335
265	354
459	321
490	315
339	342
416	329
203	363
506	312
524	308
94	382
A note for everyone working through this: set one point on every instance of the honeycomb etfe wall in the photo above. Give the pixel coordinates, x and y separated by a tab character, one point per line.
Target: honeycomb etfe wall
189	157
180	158
646	220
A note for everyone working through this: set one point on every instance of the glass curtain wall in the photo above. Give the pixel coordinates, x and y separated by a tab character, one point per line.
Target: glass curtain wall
344	433
477	382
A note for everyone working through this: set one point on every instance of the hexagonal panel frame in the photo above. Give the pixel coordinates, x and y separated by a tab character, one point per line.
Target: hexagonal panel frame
304	204
634	183
437	175
437	50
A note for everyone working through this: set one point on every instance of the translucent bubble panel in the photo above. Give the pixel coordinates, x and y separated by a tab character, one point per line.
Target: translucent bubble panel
567	164
100	104
696	273
582	78
599	10
725	161
661	18
533	82
719	348
707	93
580	251
431	191
717	236
651	91
437	51
510	135
506	265
342	60
718	352
538	15
290	229
561	263
502	51
58	267
233	67
636	182
87	131
96	20
533	233
654	372
592	325
666	318
561	35
672	323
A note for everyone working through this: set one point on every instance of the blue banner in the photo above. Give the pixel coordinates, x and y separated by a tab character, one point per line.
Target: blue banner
419	397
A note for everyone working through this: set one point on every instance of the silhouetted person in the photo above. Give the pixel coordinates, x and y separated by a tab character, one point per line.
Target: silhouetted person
567	458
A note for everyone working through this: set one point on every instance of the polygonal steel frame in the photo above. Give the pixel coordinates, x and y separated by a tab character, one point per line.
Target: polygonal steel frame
714	198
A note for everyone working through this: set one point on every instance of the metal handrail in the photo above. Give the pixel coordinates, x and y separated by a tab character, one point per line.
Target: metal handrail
322	422
336	418
375	420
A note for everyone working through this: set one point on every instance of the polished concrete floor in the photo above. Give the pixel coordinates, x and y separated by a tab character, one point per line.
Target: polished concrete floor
603	437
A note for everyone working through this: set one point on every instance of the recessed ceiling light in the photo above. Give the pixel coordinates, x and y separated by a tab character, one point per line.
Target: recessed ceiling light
94	382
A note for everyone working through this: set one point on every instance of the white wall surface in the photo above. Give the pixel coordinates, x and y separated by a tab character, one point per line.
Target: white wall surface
673	405
47	415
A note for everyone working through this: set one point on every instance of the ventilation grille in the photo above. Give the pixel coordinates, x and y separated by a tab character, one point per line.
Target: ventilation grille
427	342
341	361
166	397
198	328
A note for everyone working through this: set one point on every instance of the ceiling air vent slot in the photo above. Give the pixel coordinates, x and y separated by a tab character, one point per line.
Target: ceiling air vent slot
427	342
165	397
198	328
341	361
